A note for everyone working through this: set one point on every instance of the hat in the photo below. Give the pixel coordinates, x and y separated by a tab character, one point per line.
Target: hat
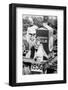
32	29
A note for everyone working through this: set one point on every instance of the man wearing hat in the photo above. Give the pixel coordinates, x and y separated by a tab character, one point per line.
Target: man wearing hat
31	38
27	47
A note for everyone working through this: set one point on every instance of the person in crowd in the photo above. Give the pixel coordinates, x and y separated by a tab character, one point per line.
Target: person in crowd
31	38
39	51
27	47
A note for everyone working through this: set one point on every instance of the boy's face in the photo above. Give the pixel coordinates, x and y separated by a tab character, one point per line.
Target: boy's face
32	36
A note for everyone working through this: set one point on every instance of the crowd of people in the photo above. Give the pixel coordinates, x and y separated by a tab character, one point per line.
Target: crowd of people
32	49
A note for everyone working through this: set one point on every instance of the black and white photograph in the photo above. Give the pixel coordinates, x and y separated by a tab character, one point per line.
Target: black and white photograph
39	36
37	44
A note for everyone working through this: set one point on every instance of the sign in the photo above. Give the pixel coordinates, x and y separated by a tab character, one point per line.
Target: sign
37	67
